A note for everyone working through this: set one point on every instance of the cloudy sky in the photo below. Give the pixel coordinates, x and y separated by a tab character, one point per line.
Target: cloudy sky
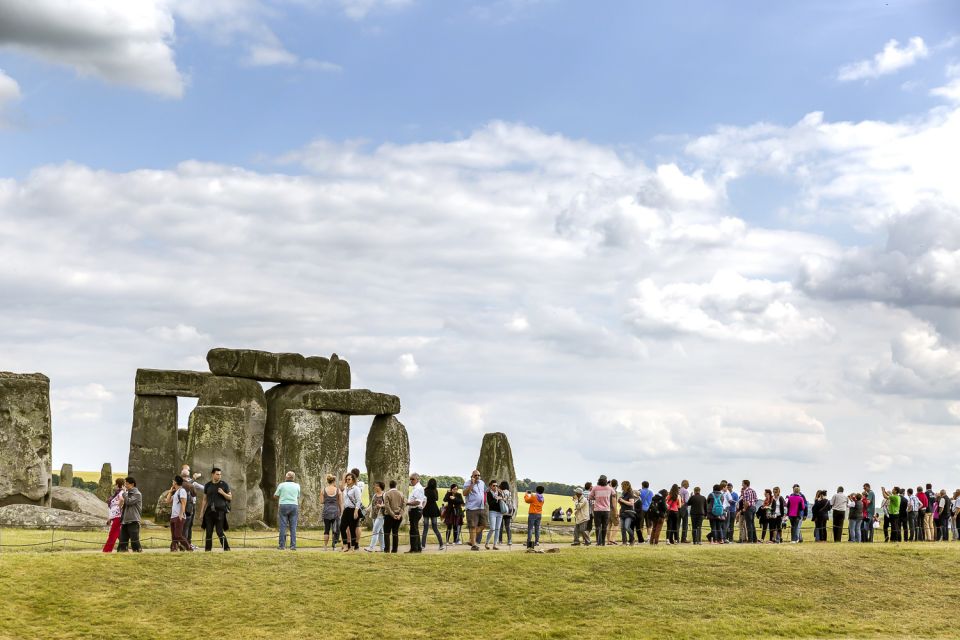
653	241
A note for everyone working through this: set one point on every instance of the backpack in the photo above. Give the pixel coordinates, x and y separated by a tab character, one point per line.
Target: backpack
717	509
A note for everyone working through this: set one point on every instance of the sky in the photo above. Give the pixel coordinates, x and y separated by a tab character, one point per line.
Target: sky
648	240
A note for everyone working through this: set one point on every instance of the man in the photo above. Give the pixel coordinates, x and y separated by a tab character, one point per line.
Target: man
684	509
356	532
586	491
393	502
925	508
870	497
288	493
838	503
475	495
644	518
415	505
913	508
749	497
177	499
730	501
893	508
191	486
214	509
130	520
581	514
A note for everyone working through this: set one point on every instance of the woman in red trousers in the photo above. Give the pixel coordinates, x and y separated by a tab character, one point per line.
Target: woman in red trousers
116	510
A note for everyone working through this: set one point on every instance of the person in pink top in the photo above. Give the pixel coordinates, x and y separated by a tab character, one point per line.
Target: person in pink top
602	495
796	508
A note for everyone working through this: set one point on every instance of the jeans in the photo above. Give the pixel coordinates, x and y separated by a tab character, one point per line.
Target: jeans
854	531
728	531
684	518
696	523
795	522
288	520
868	528
748	519
838	525
533	529
428	522
377	538
496	521
188	527
415	516
602	519
626	526
130	533
820	528
391	534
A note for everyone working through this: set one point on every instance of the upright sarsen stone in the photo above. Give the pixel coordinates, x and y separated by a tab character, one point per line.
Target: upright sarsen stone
105	484
496	461
388	453
217	439
315	443
153	446
25	439
66	477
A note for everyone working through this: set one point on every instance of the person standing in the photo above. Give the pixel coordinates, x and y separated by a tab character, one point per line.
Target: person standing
534	516
130	518
628	514
749	498
614	516
944	513
332	508
658	510
929	522
893	508
838	504
601	495
352	499
685	510
393	504
453	513
778	509
214	509
581	516
475	493
870	497
192	487
796	508
718	514
698	511
415	504
431	514
376	512
361	514
732	500
507	510
494	515
921	513
646	522
821	513
115	505
288	493
674	504
855	505
177	499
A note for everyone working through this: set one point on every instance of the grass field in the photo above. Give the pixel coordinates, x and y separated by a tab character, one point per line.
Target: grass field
679	592
94	476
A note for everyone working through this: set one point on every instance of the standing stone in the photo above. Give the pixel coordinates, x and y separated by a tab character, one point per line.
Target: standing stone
153	446
315	443
337	375
217	438
496	461
388	453
105	484
66	477
25	439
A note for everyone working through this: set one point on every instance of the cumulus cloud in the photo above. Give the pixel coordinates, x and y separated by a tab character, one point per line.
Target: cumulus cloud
891	59
920	364
408	366
9	93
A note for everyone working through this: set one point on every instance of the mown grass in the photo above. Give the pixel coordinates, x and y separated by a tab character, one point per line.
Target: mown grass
679	592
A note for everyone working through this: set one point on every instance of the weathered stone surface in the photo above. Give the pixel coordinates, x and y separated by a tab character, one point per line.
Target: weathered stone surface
280	398
388	453
161	513
66	477
355	402
105	484
266	366
31	515
162	382
315	443
78	501
337	375
217	439
183	439
496	461
25	438
153	446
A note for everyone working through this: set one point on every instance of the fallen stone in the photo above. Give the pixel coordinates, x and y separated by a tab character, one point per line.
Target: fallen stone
162	382
315	443
31	515
266	366
153	446
388	453
105	484
25	438
79	501
355	402
66	477
496	461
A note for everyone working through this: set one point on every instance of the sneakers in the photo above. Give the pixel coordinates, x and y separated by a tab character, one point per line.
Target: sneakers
474	547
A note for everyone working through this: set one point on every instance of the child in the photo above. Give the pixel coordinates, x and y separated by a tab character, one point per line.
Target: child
581	511
534	514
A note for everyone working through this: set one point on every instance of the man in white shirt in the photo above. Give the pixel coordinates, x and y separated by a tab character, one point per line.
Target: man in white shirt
415	504
177	499
839	504
684	510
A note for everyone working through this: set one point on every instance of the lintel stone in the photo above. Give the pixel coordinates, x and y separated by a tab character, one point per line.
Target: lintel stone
266	366
161	382
355	402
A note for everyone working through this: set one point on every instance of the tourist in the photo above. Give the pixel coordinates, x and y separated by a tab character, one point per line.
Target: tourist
377	539
922	513
870	497
628	513
749	511
587	486
796	508
534	515
614	516
855	506
393	504
684	510
475	492
893	509
452	513
288	512
351	511
930	525
555	516
658	511
674	504
192	487
764	515
942	515
698	510
507	511
569	514
955	518
732	500
718	515
644	522
838	504
415	504
115	505
778	510
602	495
214	510
332	508
913	508
130	518
581	516
494	514
362	514
177	499
431	514
821	513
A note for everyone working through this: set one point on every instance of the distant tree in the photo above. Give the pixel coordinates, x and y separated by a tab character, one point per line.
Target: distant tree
556	488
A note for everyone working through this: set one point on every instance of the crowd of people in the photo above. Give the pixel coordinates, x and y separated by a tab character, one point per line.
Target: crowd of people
489	507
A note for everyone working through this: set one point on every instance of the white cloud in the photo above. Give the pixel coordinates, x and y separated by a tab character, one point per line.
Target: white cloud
892	58
127	42
9	93
951	90
408	366
920	364
360	9
179	333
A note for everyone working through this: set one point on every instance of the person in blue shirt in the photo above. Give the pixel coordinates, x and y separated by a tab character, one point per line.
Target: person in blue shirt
731	511
644	523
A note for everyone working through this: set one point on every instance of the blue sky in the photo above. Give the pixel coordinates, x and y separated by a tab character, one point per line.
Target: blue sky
720	236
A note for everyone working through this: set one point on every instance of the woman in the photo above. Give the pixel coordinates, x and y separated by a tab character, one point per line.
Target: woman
956	514
674	504
453	512
764	514
116	510
507	510
495	516
431	513
602	495
332	506
821	513
855	505
778	509
628	512
377	539
614	513
796	508
351	511
945	512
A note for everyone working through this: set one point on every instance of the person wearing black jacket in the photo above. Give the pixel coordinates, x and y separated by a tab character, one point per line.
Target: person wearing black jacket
658	513
698	510
431	514
214	509
821	513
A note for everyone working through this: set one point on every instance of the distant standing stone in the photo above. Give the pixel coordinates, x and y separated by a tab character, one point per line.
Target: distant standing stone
66	476
105	485
496	461
388	452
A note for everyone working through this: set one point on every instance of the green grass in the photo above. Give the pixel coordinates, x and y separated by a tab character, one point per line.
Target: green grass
94	476
677	592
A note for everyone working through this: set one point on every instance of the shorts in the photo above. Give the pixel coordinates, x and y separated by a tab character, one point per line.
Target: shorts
476	518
